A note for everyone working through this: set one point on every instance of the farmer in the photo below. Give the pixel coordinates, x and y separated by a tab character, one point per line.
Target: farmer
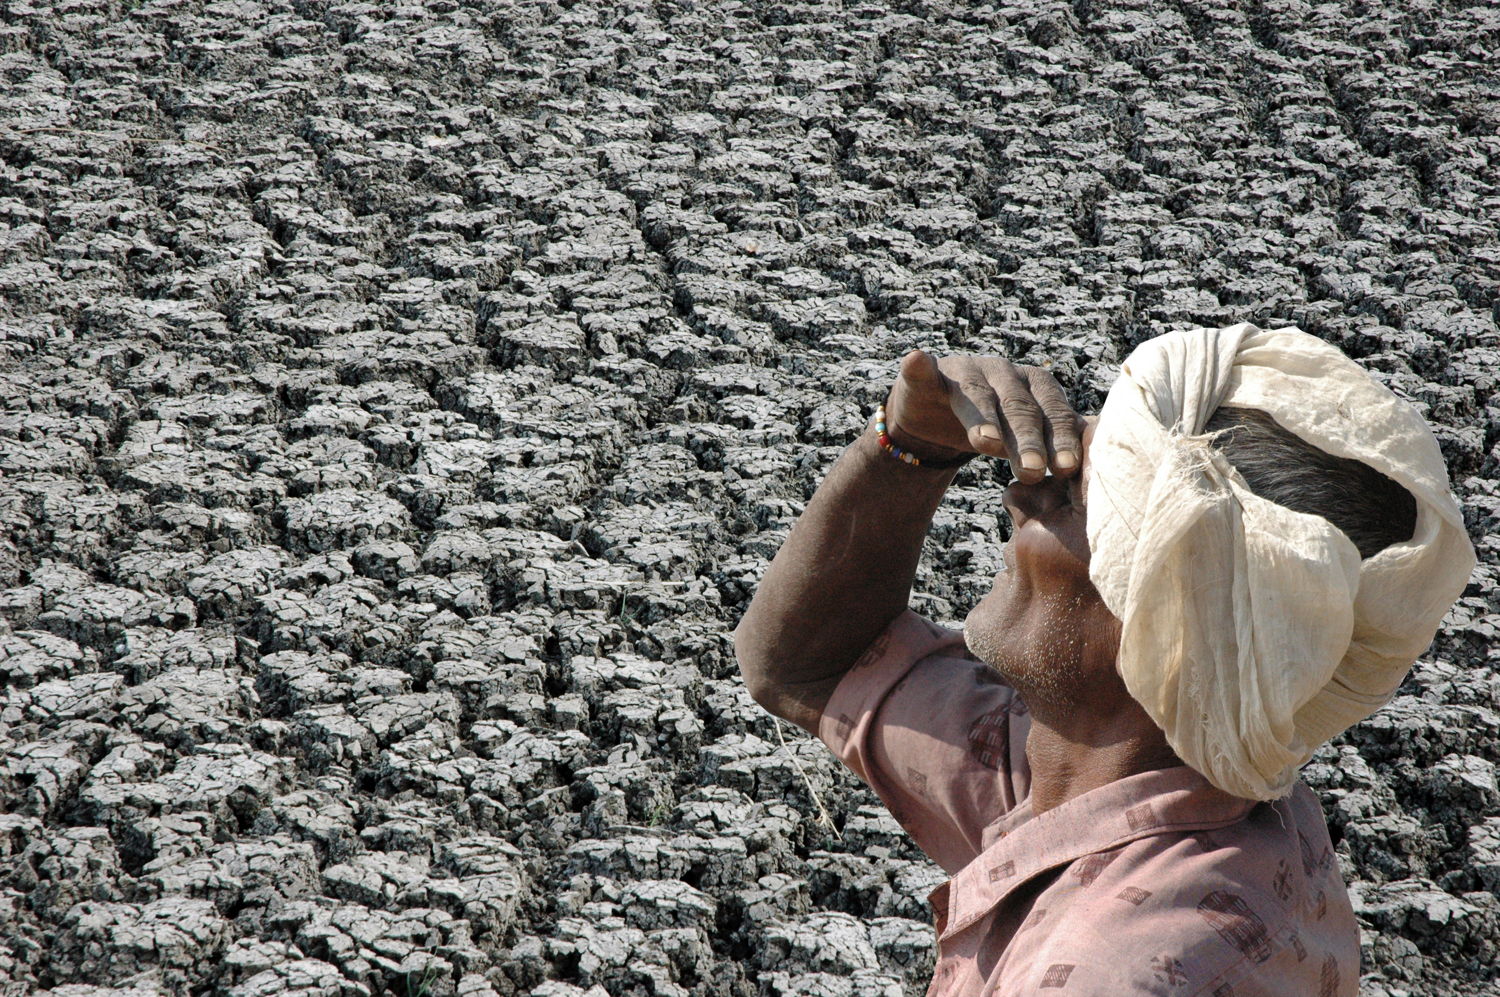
1240	558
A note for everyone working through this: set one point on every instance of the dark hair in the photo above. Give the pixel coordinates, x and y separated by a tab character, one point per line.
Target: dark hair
1279	466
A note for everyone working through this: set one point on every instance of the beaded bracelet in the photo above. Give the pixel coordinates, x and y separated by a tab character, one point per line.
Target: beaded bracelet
906	456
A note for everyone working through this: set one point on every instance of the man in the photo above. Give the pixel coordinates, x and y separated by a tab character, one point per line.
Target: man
1237	560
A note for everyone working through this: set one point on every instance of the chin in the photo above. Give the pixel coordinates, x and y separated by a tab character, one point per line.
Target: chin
983	633
992	605
1004	659
1001	631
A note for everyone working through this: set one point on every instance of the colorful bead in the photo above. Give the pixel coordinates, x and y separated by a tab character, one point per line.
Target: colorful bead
885	440
882	434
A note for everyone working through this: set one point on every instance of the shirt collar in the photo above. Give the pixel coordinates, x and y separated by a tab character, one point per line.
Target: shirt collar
1176	799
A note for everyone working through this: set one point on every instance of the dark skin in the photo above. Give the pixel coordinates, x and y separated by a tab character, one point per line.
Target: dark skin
846	570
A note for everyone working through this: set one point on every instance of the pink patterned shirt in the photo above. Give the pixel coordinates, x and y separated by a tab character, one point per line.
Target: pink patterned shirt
1155	884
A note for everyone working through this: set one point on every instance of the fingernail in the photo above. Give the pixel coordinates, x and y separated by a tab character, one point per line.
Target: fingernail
1033	461
989	432
1065	458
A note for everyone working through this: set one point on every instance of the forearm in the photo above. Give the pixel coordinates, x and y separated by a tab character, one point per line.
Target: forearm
843	574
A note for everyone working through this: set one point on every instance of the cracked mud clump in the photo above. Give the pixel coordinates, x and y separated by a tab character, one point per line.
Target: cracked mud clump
398	403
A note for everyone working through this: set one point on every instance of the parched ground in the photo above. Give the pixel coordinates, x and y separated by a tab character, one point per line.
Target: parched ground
400	401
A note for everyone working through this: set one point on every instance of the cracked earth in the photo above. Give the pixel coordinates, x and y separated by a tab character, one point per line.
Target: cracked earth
399	401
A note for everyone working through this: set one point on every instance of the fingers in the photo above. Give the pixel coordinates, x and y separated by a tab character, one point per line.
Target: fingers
1019	414
1024	425
1063	426
1001	417
974	403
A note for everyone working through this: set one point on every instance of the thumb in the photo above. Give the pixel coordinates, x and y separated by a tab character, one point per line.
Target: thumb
920	369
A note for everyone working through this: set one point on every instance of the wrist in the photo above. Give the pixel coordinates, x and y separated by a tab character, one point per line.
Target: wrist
928	453
913	450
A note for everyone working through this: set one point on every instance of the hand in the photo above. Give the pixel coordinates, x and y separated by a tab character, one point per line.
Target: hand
965	404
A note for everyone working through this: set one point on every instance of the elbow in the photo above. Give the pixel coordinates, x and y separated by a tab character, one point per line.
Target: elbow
763	668
756	670
767	695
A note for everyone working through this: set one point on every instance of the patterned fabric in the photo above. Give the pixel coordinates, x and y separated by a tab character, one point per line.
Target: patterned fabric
1155	884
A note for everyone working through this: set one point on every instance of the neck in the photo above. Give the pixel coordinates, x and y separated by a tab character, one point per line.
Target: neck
1071	756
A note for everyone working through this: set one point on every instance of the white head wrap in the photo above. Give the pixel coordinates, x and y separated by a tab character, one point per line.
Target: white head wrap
1252	633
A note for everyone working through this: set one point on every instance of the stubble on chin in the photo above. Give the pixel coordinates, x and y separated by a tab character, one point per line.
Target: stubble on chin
1043	663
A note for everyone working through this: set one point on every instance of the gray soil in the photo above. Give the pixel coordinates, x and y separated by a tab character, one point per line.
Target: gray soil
401	400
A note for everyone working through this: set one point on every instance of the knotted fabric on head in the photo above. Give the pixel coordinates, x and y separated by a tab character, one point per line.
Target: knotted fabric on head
1252	633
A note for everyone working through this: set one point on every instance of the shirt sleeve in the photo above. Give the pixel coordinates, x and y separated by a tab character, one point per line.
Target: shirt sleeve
938	736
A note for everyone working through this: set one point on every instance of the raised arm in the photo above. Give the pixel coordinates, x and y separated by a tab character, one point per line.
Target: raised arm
845	572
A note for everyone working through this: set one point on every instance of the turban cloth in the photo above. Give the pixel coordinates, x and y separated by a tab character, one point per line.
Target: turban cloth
1251	633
